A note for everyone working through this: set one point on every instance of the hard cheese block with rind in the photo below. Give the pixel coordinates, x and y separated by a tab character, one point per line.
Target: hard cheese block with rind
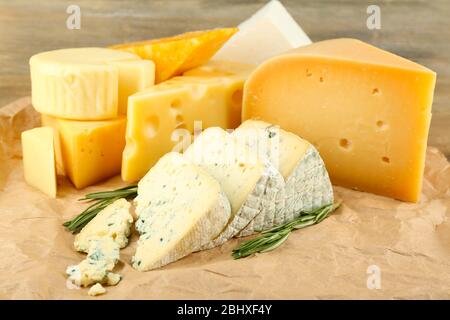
307	185
180	53
162	118
269	32
180	208
90	151
86	83
366	110
39	159
250	183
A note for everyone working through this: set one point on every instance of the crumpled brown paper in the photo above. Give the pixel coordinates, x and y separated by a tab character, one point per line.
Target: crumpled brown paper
409	244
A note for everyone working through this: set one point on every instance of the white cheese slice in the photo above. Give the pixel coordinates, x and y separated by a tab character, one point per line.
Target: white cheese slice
181	208
114	222
103	254
307	184
250	184
269	32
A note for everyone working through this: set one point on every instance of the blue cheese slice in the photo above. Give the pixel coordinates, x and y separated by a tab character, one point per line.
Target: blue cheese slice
181	208
250	183
103	254
113	222
307	184
96	289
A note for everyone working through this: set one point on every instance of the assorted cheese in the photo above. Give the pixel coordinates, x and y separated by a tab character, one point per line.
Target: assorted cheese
38	151
91	151
366	110
163	117
175	55
269	32
113	222
180	208
86	83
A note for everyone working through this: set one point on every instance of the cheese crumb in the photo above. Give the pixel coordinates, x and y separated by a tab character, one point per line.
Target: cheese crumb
96	289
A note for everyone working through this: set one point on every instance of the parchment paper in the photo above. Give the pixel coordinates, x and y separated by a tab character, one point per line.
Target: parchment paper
408	243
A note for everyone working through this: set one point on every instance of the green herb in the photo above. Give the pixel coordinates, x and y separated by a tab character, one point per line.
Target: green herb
100	201
272	238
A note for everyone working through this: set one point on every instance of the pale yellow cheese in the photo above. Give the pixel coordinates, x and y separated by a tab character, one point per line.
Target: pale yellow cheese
211	94
366	110
91	151
86	83
39	159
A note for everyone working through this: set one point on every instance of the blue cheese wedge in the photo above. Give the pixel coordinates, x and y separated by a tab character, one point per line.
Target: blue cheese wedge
113	222
250	183
96	289
103	254
181	208
307	184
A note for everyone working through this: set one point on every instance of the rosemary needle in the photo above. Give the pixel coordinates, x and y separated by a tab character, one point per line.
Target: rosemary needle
274	237
100	201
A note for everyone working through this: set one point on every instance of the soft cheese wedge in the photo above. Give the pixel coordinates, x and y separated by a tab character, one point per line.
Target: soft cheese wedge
103	254
307	185
181	208
38	151
112	222
174	55
163	117
250	183
87	83
267	33
366	110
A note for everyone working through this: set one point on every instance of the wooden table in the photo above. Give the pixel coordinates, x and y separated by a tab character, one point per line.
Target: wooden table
417	30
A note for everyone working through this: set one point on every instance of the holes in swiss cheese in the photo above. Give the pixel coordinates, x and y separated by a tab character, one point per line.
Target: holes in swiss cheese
345	143
381	125
308	73
151	126
385	159
175	104
321	79
179	122
375	91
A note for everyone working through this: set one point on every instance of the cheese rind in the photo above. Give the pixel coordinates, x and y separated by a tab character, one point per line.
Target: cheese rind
307	185
91	151
250	184
180	208
367	111
113	222
83	83
269	32
39	159
162	117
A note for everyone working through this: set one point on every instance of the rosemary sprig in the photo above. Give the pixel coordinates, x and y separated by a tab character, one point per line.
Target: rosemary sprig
100	201
272	238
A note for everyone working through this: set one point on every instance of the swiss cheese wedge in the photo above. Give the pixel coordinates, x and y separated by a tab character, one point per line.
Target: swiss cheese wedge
177	54
366	110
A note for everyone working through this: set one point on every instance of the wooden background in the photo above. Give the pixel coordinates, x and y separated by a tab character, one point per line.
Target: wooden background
416	29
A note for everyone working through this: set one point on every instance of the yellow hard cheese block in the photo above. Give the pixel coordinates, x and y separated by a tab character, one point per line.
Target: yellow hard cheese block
87	83
91	150
162	117
177	54
366	110
39	159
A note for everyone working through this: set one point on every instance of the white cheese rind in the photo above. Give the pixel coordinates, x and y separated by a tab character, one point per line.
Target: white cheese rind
103	254
181	208
113	222
250	184
307	184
